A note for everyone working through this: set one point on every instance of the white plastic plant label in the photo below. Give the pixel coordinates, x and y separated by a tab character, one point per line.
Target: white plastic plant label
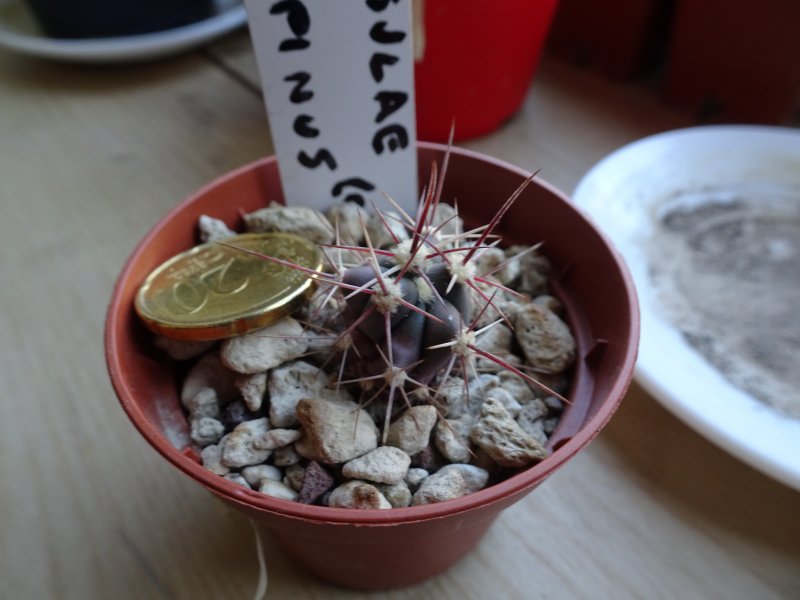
338	80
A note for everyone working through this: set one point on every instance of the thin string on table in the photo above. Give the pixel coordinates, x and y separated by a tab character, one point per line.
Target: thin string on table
261	586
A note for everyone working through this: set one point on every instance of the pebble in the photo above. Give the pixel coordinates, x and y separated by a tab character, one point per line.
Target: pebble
451	395
475	478
516	386
255	474
253	388
283	457
293	381
412	431
315	484
377	230
490	258
300	220
264	348
294	476
239	449
235	414
335	430
415	476
347	218
451	443
503	439
181	349
531	419
488	385
385	464
440	487
495	340
277	490
203	404
237	479
209	372
212	459
545	339
358	494
534	271
429	458
446	220
398	494
206	430
212	230
277	438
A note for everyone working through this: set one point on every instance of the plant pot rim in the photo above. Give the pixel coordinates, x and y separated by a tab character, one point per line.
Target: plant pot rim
516	484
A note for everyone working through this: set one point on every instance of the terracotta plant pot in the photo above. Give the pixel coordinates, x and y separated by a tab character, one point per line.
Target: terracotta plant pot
381	549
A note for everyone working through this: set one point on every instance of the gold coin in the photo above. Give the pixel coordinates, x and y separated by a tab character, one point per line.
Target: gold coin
215	291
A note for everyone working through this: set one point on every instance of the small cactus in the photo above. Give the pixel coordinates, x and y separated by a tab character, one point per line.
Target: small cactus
407	314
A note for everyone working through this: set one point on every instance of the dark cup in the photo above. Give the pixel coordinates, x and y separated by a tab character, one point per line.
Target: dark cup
101	18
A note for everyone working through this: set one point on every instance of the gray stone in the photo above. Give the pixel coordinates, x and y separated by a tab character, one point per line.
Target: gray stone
359	495
203	404
277	489
209	372
264	348
545	339
213	230
206	430
398	494
347	218
237	479
301	220
255	474
252	387
335	430
385	464
289	383
239	449
412	431
212	458
501	437
450	441
277	438
475	478
439	487
415	476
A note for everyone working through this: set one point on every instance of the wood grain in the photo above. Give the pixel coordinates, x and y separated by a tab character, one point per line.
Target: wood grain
90	158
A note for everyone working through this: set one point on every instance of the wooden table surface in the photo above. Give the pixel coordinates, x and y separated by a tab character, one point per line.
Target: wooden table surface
90	158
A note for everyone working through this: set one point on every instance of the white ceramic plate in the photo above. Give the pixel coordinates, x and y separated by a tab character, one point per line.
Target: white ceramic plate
628	193
20	33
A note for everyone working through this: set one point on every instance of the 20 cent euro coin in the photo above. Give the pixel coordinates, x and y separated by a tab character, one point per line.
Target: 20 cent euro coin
218	290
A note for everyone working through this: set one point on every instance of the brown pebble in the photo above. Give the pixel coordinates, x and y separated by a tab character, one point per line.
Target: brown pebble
316	482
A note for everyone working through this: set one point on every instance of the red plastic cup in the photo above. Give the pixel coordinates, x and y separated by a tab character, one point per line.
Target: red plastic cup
477	63
380	549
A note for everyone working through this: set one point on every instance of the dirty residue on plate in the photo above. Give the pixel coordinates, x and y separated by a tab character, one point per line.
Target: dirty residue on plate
725	265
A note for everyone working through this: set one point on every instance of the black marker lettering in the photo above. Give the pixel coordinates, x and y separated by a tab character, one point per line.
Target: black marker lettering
396	137
378	61
390	102
355	182
380	5
322	156
298	94
379	34
299	23
302	126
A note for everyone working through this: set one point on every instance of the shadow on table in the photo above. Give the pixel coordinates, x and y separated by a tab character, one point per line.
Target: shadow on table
675	462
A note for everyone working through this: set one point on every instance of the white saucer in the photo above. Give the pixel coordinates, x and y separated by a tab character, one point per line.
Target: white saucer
20	33
626	194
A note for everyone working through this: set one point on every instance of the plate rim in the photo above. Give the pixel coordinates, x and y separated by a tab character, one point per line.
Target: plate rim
757	453
131	48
